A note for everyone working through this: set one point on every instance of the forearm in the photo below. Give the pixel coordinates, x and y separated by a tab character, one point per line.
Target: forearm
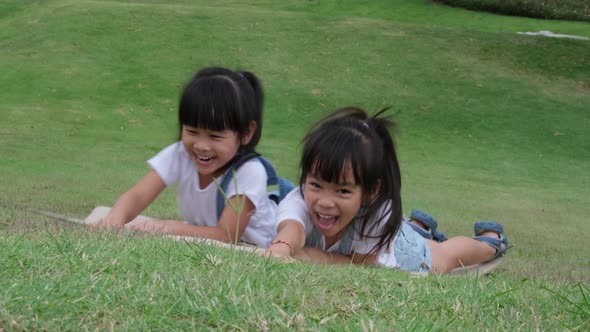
176	227
290	239
316	256
131	203
127	207
214	233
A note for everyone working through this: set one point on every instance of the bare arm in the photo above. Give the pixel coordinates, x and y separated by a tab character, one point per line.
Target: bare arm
317	256
230	228
292	232
290	236
135	200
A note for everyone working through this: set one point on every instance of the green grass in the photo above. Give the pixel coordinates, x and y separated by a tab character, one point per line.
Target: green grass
104	281
494	125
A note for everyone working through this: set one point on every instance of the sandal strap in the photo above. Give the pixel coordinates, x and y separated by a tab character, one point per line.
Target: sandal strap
439	236
487	226
424	218
496	243
433	233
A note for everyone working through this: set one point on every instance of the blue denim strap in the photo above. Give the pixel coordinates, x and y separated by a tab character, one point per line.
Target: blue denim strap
344	247
285	186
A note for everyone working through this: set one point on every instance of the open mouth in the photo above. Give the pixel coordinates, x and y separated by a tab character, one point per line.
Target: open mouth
204	159
326	221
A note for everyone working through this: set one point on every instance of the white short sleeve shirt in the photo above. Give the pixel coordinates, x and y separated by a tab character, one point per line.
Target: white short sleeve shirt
198	206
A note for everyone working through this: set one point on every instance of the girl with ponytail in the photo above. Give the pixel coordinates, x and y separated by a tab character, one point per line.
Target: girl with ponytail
220	123
348	207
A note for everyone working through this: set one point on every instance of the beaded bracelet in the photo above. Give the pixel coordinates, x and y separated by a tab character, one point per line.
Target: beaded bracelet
284	242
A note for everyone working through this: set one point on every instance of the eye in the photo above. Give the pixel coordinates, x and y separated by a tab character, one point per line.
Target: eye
217	135
314	185
344	191
191	132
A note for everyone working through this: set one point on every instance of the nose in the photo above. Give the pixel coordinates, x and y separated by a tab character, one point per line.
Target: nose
200	145
325	202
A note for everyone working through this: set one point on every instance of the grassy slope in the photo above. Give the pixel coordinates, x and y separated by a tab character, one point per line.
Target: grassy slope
105	282
493	124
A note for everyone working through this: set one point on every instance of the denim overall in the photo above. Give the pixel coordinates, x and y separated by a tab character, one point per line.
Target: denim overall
409	248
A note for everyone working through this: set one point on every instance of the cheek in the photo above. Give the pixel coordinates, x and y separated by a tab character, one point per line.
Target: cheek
308	201
309	197
184	137
188	144
237	144
355	205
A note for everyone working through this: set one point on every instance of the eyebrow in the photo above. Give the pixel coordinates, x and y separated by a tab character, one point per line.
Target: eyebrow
343	184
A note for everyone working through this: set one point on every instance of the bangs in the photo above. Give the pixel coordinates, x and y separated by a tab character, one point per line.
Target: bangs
211	104
331	158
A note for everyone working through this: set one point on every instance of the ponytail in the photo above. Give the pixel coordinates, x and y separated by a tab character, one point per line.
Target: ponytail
254	82
390	188
256	86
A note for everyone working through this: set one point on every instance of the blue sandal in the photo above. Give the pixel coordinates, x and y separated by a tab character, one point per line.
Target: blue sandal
481	227
430	223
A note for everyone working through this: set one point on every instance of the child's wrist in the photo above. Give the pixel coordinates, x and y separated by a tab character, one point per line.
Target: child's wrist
284	243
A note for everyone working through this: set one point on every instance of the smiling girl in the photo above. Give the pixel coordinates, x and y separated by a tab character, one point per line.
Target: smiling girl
349	208
220	120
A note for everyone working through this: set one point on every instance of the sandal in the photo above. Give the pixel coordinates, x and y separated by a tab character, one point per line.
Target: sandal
481	227
430	232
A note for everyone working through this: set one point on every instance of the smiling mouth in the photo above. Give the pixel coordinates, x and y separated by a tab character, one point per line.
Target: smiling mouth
204	159
326	221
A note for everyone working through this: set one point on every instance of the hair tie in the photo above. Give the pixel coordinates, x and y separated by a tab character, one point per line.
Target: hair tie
365	124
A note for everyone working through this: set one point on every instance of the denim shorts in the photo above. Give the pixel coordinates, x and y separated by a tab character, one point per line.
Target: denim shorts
410	250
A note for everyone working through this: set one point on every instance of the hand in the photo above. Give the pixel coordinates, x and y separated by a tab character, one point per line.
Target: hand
276	255
153	226
308	255
108	224
317	256
279	249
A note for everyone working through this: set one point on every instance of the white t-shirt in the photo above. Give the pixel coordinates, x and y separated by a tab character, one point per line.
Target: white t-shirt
293	207
198	206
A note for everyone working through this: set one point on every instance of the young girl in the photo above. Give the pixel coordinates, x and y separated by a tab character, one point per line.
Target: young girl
348	207
220	119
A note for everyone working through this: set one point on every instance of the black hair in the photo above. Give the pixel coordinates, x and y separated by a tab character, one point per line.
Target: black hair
349	137
222	99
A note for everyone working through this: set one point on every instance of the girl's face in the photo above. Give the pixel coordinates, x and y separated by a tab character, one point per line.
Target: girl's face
211	150
332	206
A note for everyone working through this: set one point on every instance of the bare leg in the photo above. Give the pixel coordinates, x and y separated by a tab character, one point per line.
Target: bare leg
459	251
419	223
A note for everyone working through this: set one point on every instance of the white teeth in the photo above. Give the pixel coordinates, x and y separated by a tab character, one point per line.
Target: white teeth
204	158
325	216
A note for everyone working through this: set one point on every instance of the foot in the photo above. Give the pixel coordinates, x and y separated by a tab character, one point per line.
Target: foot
426	226
491	233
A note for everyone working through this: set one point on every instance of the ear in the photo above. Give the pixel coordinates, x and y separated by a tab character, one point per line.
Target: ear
248	136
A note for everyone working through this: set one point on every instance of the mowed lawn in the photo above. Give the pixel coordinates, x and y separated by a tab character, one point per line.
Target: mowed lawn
493	125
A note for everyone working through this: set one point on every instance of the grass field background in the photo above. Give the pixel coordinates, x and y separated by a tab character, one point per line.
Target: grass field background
493	125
